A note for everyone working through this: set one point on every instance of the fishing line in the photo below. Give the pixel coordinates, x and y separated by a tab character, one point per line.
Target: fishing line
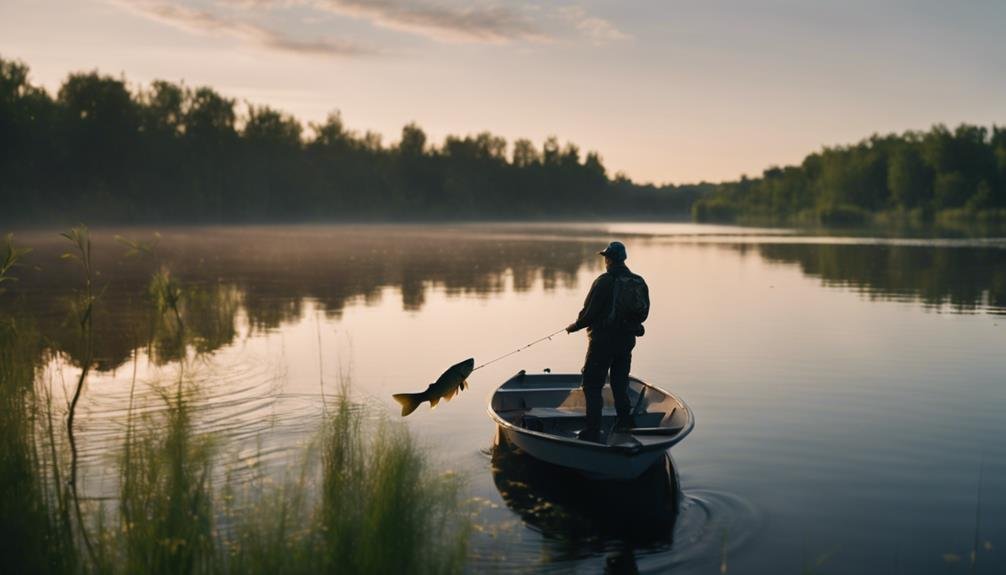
520	349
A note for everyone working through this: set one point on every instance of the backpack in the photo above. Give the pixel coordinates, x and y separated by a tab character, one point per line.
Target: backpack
630	302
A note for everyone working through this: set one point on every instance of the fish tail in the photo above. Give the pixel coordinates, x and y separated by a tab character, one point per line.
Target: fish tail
409	401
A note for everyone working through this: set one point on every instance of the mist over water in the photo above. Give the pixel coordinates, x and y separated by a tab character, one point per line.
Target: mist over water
846	389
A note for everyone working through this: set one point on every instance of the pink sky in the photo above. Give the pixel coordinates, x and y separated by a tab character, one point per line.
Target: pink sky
666	91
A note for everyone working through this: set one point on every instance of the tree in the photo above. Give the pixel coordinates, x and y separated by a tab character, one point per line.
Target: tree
594	166
332	134
525	154
413	141
210	117
270	128
950	190
550	151
26	139
490	147
570	156
100	125
162	108
908	178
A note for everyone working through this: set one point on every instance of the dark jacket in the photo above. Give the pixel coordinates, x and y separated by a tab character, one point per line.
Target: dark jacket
597	306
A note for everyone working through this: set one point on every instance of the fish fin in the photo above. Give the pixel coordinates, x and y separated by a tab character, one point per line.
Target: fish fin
450	395
434	402
464	384
409	401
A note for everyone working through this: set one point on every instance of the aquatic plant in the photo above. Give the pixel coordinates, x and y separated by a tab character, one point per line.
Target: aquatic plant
169	338
166	514
10	260
384	510
166	294
139	247
381	507
33	536
83	307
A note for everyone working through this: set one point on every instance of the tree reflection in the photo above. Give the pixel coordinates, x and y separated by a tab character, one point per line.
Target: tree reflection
967	280
268	274
264	277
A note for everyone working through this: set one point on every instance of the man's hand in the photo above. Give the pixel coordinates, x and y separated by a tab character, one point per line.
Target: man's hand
571	327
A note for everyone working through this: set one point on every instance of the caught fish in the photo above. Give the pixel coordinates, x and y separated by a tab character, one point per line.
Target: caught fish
445	387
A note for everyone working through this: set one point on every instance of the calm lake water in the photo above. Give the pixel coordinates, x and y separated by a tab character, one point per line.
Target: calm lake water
849	392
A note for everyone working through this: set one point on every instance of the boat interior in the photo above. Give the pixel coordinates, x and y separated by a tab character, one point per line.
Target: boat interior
554	404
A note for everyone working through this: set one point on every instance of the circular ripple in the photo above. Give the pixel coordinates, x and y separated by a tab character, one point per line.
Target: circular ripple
560	522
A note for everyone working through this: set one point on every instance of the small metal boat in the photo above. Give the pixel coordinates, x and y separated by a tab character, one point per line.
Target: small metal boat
541	415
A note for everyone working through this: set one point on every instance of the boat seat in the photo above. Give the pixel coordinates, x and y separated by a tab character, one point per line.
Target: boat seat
649	421
557	412
577	412
525	390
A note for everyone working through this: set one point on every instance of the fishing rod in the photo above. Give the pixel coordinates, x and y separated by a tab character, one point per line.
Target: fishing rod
520	349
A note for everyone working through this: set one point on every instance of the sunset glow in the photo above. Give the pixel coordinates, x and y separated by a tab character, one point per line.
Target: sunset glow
665	91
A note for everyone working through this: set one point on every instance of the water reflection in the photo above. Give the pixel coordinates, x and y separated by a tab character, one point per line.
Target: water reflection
579	517
265	276
269	274
967	279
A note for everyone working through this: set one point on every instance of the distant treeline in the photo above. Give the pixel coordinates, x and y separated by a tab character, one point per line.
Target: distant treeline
101	151
959	174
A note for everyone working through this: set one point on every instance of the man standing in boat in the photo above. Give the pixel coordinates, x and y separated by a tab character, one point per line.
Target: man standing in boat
613	313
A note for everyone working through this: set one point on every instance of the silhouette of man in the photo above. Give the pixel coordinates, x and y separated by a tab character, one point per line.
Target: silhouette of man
612	334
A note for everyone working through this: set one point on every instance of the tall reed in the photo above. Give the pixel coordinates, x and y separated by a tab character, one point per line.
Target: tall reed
83	307
371	503
30	537
166	511
33	538
9	261
381	506
384	509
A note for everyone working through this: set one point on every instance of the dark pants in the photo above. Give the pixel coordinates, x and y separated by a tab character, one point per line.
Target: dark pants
606	352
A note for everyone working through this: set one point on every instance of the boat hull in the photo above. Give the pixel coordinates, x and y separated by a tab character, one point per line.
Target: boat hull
594	463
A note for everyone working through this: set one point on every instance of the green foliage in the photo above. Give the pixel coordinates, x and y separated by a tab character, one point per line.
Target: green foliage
10	260
171	153
381	509
31	539
166	293
379	506
139	247
912	173
950	190
842	215
80	237
909	179
165	497
714	210
83	304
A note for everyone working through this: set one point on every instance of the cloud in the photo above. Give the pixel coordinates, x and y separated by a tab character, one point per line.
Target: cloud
597	30
201	22
471	24
440	22
474	22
